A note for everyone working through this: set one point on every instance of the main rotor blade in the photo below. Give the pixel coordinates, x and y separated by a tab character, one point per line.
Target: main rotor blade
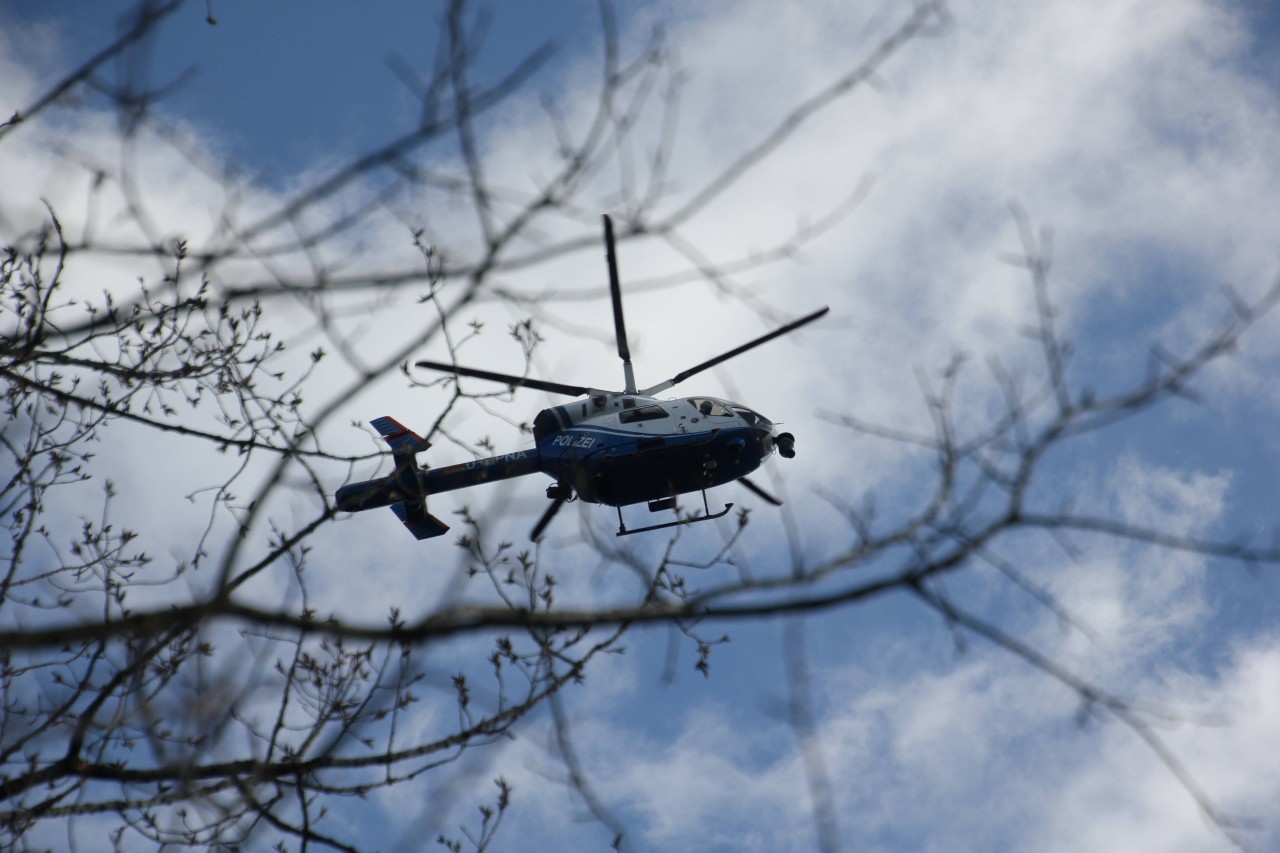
536	533
507	379
682	376
615	293
760	493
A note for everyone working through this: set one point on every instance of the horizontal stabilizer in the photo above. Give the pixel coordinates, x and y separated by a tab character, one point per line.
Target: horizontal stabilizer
403	440
422	524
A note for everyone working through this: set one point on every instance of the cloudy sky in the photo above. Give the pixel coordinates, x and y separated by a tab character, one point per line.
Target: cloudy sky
1142	133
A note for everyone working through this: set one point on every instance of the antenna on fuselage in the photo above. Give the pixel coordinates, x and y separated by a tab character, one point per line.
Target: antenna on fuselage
619	324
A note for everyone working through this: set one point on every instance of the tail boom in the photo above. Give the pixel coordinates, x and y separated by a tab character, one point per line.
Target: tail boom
405	490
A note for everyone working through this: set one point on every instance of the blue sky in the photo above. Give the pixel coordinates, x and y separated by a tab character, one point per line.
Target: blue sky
287	83
1143	133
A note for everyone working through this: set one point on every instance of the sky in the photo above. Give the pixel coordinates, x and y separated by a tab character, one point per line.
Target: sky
1142	133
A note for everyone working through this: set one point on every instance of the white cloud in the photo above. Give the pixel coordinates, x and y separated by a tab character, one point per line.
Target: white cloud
984	751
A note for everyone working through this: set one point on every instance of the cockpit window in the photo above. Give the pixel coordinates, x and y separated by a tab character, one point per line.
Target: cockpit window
710	408
644	413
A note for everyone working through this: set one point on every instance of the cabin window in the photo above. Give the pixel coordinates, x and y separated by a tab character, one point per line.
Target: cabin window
643	413
543	425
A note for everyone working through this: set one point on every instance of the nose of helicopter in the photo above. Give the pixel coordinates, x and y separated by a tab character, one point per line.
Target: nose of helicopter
772	439
766	432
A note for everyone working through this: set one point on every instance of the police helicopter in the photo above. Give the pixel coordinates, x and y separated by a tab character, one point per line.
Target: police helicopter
611	447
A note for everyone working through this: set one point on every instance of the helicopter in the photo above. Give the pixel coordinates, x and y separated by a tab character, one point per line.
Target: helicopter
616	448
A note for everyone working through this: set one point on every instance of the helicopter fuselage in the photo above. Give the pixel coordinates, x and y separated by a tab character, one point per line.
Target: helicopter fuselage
614	449
620	449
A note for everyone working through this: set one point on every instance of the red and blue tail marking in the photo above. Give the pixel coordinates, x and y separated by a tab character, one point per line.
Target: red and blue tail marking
419	522
404	441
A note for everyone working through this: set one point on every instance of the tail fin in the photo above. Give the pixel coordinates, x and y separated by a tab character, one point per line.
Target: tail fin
422	524
405	443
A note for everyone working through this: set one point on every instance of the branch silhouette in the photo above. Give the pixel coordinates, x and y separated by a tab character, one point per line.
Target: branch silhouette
186	684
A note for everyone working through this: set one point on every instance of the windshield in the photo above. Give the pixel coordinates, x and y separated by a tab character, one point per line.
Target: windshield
709	408
753	418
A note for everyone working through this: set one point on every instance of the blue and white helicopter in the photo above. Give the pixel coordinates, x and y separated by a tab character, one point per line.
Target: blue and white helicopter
612	447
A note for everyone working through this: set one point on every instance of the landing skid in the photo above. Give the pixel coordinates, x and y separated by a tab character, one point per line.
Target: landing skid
623	531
